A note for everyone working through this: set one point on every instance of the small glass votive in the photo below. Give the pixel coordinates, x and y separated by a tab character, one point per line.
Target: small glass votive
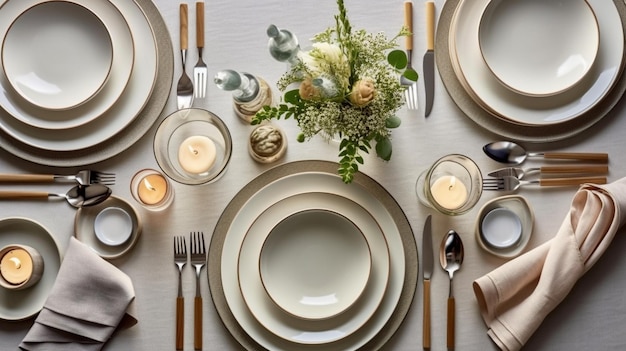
21	266
452	185
152	190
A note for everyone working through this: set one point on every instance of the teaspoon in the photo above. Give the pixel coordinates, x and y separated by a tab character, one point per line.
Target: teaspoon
451	257
78	196
512	153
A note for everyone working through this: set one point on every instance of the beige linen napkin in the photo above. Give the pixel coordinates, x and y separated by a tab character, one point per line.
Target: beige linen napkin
515	298
87	303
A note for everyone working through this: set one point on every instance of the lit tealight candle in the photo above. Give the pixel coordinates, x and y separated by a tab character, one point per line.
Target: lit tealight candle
197	154
449	192
16	266
152	189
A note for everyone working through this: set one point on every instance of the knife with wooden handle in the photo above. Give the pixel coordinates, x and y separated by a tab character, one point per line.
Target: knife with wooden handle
429	58
428	262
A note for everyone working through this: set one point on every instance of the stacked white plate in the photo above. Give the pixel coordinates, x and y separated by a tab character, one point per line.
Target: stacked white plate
278	223
482	84
83	81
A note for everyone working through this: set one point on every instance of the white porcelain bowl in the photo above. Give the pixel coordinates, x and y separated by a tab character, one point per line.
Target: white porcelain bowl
113	226
539	47
57	55
504	225
315	264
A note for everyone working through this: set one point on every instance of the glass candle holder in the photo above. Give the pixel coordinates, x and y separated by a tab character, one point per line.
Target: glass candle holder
152	190
21	266
452	185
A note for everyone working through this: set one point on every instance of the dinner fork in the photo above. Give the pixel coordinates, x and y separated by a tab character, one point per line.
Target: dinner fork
510	183
180	258
184	89
198	260
410	93
84	177
200	71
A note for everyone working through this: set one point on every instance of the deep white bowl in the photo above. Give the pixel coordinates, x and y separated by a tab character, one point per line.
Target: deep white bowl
539	47
57	55
315	264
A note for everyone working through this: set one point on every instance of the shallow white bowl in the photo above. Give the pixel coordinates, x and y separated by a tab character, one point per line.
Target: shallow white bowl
539	47
113	226
57	55
315	264
504	225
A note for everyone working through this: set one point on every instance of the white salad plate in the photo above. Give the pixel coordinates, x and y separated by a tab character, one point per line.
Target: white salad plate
485	89
85	227
122	65
315	264
285	325
22	304
299	178
121	113
51	64
539	47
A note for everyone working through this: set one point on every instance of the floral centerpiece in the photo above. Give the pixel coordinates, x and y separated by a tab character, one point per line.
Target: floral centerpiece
348	87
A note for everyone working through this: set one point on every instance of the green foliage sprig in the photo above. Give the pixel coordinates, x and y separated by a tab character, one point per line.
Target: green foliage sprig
359	96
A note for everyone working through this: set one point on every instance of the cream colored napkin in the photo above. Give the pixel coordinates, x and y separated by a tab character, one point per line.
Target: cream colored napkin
87	303
515	298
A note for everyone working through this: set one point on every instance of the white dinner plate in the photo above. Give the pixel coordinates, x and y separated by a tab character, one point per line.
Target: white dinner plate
314	264
292	185
486	90
294	329
123	111
51	64
122	65
84	229
22	304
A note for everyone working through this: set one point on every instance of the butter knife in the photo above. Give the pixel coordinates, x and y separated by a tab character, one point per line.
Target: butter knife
427	264
429	57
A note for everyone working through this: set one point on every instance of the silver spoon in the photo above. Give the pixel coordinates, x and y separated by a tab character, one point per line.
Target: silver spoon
78	196
511	153
451	257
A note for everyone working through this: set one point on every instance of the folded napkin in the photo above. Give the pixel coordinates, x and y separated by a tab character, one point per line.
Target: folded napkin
87	303
516	297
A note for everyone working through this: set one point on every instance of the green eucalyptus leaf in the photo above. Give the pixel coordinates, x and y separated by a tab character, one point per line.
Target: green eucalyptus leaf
397	59
393	122
383	149
411	74
301	138
292	96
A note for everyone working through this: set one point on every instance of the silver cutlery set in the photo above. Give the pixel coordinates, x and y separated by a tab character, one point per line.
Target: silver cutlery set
197	256
186	90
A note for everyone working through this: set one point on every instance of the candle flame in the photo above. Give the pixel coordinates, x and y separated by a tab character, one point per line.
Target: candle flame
148	185
193	150
16	261
452	183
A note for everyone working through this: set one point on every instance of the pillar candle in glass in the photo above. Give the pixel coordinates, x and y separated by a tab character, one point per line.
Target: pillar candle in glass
21	266
152	190
197	154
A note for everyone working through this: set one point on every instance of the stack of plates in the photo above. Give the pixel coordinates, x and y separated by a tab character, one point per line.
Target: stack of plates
477	85
75	74
273	220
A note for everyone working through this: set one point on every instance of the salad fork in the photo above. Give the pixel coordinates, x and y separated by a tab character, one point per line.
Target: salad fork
410	92
510	183
180	258
200	71
184	88
84	177
198	260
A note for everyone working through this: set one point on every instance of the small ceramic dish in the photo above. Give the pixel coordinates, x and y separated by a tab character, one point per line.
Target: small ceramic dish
50	63
193	146
539	47
315	264
504	225
113	226
108	246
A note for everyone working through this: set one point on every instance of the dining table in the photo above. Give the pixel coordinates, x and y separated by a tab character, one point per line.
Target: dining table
591	317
